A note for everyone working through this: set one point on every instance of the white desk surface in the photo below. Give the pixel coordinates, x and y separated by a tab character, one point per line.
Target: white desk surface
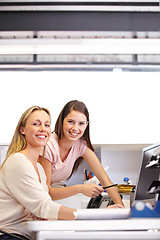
124	229
96	225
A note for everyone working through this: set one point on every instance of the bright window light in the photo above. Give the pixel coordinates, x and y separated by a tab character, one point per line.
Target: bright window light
80	46
123	106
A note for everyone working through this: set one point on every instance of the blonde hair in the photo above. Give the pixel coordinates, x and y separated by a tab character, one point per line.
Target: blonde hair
18	142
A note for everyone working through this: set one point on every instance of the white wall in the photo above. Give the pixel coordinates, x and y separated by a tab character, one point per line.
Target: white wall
122	164
123	106
121	160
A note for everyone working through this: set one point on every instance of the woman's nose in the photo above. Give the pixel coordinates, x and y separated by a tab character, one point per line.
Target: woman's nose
75	126
42	127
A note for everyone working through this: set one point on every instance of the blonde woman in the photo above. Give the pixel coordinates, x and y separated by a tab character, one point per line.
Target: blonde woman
23	189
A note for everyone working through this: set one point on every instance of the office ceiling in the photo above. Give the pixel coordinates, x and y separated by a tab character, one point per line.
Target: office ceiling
64	27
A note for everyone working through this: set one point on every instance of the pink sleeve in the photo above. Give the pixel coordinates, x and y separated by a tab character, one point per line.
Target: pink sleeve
51	150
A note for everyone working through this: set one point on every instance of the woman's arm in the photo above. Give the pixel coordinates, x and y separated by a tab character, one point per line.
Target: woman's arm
95	165
66	213
90	190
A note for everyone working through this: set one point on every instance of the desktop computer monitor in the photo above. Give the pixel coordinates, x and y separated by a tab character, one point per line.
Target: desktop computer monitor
149	172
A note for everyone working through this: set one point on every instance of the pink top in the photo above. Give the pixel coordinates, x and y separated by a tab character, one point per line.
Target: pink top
62	170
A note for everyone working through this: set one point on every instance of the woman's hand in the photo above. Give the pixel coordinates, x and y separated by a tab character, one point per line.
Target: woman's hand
115	206
91	190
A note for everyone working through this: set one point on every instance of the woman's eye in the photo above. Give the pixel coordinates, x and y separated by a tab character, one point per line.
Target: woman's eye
47	125
82	123
70	121
35	124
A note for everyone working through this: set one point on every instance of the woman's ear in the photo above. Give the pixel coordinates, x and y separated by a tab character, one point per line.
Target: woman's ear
21	130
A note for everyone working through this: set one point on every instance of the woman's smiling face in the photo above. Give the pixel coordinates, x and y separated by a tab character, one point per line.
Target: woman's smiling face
37	129
74	125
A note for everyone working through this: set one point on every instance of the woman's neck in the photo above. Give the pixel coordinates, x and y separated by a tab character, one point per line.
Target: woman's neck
65	144
32	154
64	148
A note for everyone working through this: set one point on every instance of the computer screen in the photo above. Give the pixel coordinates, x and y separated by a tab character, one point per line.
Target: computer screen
149	172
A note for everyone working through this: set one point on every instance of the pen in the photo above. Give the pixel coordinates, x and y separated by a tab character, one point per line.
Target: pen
110	186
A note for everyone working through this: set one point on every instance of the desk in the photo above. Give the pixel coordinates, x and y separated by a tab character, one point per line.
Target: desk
125	229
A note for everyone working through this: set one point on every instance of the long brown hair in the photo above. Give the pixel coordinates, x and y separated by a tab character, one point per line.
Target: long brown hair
18	141
80	107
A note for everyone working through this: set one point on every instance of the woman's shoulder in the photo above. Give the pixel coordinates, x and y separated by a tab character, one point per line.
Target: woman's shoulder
16	156
52	145
17	161
81	142
80	145
53	139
